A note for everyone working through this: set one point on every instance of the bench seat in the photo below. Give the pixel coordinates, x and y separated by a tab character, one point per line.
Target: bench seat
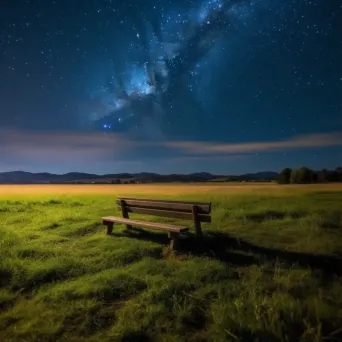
145	224
173	230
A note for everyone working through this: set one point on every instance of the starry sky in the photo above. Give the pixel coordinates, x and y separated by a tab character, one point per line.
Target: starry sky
223	86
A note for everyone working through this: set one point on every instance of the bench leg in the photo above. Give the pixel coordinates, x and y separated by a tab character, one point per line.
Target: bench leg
174	240
109	228
197	222
125	213
198	229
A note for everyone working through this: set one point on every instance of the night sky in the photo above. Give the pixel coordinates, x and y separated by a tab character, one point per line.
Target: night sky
179	86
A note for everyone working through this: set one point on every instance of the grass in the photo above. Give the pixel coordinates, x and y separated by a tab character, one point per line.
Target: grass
269	268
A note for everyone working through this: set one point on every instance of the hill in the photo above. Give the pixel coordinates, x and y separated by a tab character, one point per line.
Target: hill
22	177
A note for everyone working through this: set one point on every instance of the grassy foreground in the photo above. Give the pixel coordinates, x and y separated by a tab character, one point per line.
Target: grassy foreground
269	268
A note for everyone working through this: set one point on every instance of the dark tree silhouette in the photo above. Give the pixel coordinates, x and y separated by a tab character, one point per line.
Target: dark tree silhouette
303	175
322	176
285	176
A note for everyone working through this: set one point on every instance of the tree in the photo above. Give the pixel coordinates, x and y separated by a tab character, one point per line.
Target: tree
334	176
322	176
285	176
339	174
294	179
301	176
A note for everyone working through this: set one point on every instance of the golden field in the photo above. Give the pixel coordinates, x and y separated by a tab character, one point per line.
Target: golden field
157	189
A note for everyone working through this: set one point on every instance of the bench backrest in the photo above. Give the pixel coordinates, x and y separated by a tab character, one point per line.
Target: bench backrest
173	209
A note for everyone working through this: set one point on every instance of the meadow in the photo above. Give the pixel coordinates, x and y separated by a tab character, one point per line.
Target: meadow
268	269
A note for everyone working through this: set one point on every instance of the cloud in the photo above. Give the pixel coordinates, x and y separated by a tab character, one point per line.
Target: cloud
299	142
55	145
209	158
75	147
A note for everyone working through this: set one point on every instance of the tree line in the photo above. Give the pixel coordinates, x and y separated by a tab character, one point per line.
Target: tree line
304	175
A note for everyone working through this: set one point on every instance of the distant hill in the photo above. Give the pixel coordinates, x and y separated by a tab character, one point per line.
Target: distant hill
21	177
260	175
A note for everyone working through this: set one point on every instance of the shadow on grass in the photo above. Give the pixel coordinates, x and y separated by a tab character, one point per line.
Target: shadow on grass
240	252
214	247
273	215
5	278
330	225
136	337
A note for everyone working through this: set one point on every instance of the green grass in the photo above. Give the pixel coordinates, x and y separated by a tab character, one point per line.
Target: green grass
269	269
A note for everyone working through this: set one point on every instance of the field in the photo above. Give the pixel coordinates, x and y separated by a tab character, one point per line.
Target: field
268	269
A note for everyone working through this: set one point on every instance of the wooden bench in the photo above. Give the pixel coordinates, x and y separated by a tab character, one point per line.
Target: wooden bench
196	211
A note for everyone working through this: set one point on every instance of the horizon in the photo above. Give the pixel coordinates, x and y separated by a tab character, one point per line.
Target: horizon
129	173
162	174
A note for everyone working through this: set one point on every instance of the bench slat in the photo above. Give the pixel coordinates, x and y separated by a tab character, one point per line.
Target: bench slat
203	208
145	224
166	201
168	213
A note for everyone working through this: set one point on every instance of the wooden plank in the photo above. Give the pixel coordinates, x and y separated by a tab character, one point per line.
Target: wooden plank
172	206
174	240
205	206
124	211
159	200
109	228
145	224
197	221
168	213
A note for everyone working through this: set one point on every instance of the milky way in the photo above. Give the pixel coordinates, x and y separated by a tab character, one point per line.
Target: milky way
167	65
